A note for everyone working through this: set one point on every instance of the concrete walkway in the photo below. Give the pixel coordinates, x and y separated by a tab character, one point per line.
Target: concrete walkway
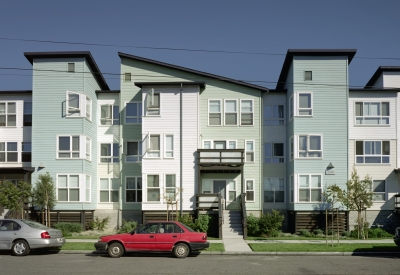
236	245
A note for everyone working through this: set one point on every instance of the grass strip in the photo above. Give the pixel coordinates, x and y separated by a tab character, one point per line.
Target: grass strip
92	237
281	247
215	247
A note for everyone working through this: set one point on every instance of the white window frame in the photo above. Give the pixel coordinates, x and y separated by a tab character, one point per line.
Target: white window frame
158	188
6	114
226	112
250	151
134	158
6	152
27	113
364	117
88	108
298	109
68	188
111	157
109	190
364	156
229	190
211	144
138	115
88	187
165	147
271	119
292	148
308	150
291	108
73	111
110	118
280	159
251	190
148	145
169	188
136	189
227	144
384	193
88	150
220	113
71	151
150	107
251	112
292	189
309	188
273	189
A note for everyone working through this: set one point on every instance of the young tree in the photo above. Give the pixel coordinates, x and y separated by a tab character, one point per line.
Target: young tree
44	194
14	196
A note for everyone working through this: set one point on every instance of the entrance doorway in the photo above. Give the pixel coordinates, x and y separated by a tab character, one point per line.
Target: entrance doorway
219	188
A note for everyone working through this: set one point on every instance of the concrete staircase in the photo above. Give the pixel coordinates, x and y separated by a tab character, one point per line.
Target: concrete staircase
232	227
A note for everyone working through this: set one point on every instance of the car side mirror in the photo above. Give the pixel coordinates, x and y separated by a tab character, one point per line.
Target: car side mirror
133	231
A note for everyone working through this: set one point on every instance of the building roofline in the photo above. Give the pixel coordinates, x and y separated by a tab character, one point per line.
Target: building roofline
86	54
107	91
378	73
16	92
395	90
221	78
310	52
202	84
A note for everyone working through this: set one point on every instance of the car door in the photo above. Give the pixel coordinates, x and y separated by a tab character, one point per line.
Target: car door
144	238
9	231
167	236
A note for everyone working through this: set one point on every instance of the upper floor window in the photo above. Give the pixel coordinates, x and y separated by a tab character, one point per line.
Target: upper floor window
246	112
249	151
305	104
133	189
88	150
8	114
27	113
133	151
109	115
78	105
68	147
307	75
8	151
127	77
153	103
373	151
310	146
291	107
153	146
219	144
379	189
133	113
88	108
109	190
26	153
169	146
214	112
109	152
372	113
170	187
274	153
230	112
310	188
71	67
274	190
274	115
291	148
249	190
153	188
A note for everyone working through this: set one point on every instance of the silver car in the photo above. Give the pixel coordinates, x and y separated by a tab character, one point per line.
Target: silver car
23	235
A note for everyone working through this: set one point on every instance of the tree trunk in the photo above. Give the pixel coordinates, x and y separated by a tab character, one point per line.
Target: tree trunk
48	217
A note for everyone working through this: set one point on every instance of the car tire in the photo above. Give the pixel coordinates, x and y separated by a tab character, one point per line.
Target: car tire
181	250
20	248
115	250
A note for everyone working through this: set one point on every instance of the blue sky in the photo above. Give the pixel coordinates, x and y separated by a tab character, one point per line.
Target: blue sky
272	27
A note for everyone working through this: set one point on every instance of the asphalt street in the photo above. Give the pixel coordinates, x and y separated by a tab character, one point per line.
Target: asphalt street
202	264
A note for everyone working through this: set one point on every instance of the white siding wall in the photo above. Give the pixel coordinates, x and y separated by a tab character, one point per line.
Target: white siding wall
391	80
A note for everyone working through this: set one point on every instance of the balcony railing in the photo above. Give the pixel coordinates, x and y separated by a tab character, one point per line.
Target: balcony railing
397	202
220	156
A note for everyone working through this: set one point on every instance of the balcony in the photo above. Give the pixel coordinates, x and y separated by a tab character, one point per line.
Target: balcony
220	160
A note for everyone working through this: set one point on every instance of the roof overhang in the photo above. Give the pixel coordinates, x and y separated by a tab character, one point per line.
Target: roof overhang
378	73
202	84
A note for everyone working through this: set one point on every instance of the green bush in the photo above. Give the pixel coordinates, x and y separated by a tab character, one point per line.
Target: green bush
318	232
305	233
68	227
378	232
270	222
253	228
346	234
127	226
187	220
331	232
275	233
202	222
99	224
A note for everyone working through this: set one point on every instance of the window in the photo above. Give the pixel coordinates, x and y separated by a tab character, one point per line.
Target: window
26	154
128	77
169	146
232	191
153	103
372	151
274	153
27	113
8	151
310	146
78	105
73	104
305	104
68	147
372	113
231	144
249	151
249	190
291	188
133	113
133	189
170	187
153	146
88	108
109	115
71	67
68	188
109	189
88	150
291	148
109	153
274	190
220	144
9	226
291	107
307	75
8	114
207	144
133	151
246	114
274	115
153	188
379	189
88	185
230	112
310	188
214	112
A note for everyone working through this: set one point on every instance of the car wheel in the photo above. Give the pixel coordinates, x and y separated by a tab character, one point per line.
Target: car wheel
115	250
181	250
20	248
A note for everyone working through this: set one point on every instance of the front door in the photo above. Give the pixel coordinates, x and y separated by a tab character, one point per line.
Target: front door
219	188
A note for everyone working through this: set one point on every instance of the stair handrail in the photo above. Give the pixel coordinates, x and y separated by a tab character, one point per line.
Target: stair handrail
220	216
243	213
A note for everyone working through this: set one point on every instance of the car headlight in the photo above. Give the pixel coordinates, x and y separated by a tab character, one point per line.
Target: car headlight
99	240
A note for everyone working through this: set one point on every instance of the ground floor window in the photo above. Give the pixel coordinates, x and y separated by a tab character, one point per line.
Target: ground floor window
68	188
249	190
133	187
310	188
153	188
274	190
109	190
379	189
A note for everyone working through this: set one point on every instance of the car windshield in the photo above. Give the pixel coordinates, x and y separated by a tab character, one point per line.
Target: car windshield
186	227
34	224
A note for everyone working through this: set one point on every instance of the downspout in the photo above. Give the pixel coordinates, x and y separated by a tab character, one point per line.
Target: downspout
181	147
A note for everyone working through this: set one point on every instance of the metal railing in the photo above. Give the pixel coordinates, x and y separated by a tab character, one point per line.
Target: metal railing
220	216
243	213
220	156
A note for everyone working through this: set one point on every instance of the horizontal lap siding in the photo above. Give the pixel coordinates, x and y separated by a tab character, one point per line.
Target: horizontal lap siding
391	80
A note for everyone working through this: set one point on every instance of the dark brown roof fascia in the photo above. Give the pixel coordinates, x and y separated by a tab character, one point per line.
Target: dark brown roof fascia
202	84
378	73
309	52
86	54
221	78
17	92
375	90
107	91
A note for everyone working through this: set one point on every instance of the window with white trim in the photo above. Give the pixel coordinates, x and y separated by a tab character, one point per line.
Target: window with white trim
26	153
207	144
291	148
304	104
153	103
291	106
109	152
372	113
153	146
68	147
8	151
88	108
214	112
88	188
133	113
249	151
153	188
169	146
88	150
231	112
170	187
109	114
249	190
246	112
231	144
372	151
8	114
274	152
109	190
274	115
133	151
68	188
133	189
219	144
310	188
310	146
73	104
379	189
27	113
274	190
291	188
231	190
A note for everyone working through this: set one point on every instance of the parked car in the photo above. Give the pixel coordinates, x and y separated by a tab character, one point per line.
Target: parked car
155	236
396	236
20	236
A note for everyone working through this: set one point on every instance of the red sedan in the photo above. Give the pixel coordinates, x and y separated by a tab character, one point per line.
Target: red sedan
156	236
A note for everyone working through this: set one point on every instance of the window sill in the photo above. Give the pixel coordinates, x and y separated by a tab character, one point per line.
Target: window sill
304	116
309	158
231	125
372	125
250	201
131	123
215	125
373	164
152	202
132	202
246	125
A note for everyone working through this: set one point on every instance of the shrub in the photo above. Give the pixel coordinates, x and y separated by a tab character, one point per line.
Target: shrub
253	228
275	233
270	222
187	220
318	232
346	234
305	233
378	232
127	226
67	228
99	224
201	223
331	232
